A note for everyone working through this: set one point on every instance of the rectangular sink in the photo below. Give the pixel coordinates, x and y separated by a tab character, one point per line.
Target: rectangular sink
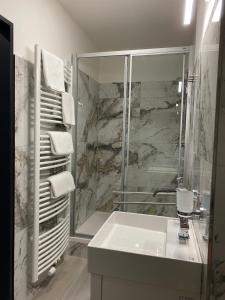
144	234
146	249
136	240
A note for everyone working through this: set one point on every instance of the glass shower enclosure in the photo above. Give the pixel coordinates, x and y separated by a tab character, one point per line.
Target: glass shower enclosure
129	134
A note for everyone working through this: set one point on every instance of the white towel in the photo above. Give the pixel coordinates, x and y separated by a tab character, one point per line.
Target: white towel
53	69
61	184
68	109
61	142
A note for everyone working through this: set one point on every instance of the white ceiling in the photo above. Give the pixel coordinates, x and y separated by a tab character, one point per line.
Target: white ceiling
132	24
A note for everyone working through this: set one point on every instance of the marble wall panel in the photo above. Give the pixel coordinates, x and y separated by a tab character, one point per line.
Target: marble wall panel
109	153
199	142
86	148
24	94
154	136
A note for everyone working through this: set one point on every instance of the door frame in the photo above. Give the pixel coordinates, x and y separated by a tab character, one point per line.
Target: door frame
7	154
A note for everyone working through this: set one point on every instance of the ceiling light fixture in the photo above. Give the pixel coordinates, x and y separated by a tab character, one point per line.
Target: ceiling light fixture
179	86
217	12
188	12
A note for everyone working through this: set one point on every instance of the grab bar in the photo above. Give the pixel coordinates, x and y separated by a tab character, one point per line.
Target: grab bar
142	193
145	203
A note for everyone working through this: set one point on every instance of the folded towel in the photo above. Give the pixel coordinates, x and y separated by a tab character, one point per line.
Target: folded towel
68	109
53	70
61	184
61	142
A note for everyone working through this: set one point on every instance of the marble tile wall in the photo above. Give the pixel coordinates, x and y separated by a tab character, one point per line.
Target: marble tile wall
24	89
109	153
199	149
86	191
154	136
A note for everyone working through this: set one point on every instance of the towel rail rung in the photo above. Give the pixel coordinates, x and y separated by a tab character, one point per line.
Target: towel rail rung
42	268
53	213
43	235
51	111
55	240
44	194
45	246
51	121
54	161
53	101
53	106
52	237
55	166
53	157
51	116
44	152
50	94
43	259
53	205
44	183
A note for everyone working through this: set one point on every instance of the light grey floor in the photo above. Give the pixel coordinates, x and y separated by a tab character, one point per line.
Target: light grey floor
71	281
93	223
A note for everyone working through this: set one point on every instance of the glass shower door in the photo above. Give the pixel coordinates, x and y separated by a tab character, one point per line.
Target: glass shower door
100	135
154	146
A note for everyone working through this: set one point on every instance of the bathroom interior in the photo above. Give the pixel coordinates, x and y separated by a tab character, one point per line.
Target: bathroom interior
119	168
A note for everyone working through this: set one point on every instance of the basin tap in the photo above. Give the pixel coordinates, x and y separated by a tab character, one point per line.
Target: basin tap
183	233
180	181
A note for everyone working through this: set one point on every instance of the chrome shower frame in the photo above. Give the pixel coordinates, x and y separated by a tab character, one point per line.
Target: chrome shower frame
128	68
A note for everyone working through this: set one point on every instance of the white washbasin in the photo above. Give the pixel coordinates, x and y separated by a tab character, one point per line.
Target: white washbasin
136	240
146	249
145	234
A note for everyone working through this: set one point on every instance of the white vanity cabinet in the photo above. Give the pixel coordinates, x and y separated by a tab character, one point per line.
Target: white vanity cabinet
139	257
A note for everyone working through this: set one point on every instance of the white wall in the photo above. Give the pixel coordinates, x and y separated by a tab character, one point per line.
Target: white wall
47	23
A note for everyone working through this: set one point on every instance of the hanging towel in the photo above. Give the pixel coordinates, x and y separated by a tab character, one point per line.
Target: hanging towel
53	70
61	184
61	142
68	109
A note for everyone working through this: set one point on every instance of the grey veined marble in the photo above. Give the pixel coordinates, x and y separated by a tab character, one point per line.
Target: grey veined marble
154	137
201	110
24	91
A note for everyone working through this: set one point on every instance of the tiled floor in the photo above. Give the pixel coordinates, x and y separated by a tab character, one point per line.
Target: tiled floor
93	223
71	281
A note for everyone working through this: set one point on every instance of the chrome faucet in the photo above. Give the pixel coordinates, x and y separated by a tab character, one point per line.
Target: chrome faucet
184	217
201	213
180	181
183	233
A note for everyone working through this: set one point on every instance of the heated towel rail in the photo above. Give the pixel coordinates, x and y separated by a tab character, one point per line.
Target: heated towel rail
51	216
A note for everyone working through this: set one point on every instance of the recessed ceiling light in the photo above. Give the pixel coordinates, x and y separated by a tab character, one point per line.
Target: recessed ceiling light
217	12
179	86
188	12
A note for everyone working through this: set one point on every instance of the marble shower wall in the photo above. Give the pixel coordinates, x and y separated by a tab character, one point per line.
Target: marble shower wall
154	140
86	190
109	153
